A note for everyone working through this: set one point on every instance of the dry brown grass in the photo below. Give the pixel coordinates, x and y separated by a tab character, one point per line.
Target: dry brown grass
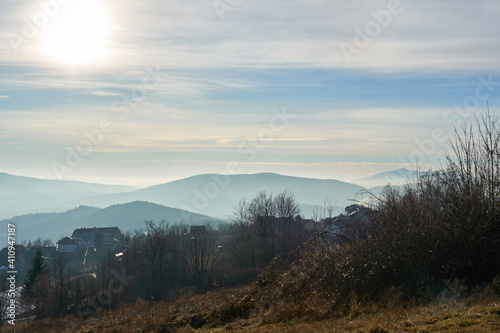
202	313
457	317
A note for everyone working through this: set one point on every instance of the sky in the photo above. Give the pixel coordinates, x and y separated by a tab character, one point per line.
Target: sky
145	92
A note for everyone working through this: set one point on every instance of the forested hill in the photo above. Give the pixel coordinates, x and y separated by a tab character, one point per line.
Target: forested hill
128	216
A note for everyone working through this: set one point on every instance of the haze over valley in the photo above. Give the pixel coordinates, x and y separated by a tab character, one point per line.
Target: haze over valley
53	208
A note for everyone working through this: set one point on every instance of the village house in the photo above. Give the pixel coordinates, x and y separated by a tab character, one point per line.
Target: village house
95	237
66	245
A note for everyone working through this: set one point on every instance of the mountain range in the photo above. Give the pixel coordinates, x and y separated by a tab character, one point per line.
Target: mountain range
127	217
209	194
218	195
395	177
47	207
23	195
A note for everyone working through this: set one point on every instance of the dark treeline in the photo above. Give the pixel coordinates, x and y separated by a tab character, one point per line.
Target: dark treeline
162	261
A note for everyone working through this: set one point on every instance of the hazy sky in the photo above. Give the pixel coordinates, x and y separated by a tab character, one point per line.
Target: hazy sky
143	92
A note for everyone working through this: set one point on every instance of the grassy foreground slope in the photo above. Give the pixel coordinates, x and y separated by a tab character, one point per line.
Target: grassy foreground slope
479	312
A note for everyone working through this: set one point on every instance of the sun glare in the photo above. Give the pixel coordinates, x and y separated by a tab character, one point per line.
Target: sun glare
78	33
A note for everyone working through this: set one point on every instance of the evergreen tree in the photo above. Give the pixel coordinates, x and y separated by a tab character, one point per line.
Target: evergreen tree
37	284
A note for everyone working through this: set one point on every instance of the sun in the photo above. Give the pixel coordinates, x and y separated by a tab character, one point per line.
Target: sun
78	33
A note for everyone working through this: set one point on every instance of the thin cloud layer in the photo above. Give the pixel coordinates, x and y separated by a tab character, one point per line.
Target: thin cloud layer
367	81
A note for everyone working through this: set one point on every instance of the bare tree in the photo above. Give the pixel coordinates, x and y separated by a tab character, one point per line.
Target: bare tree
286	204
153	242
203	255
265	227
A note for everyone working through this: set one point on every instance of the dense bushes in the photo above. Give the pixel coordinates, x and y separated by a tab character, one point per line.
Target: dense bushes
446	226
440	230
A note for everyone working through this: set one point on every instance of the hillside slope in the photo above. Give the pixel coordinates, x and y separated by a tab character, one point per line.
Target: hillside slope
217	195
23	195
129	216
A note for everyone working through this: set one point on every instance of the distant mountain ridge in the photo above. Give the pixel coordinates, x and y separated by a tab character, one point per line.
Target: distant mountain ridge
21	185
217	195
128	216
193	199
214	195
22	195
396	177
